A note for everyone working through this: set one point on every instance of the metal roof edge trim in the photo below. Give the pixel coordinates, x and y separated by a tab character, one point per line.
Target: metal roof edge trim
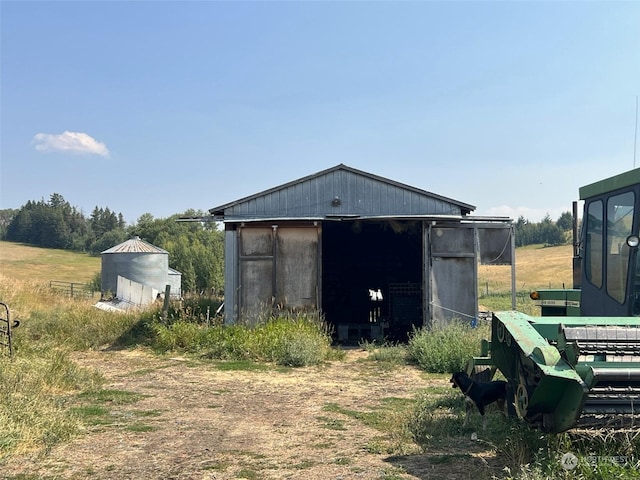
347	217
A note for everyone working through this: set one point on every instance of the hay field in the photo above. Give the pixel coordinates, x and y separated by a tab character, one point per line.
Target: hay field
35	264
536	267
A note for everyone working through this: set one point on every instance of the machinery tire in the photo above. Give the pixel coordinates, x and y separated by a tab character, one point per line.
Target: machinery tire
522	400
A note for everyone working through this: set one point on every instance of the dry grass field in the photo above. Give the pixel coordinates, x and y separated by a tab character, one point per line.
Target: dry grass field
536	267
28	263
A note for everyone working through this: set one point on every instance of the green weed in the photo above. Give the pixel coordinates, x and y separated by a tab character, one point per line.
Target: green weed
445	349
289	340
387	354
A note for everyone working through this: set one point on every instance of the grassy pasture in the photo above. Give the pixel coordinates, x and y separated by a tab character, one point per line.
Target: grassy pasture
35	264
536	267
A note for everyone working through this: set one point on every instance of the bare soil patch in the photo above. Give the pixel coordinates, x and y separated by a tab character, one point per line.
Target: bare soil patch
208	423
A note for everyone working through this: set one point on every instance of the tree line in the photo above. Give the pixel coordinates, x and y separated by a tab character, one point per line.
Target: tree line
546	232
196	249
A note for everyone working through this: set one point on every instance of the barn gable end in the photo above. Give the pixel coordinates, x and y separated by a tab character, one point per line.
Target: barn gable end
340	191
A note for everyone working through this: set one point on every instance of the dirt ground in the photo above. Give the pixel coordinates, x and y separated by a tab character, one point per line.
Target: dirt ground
215	424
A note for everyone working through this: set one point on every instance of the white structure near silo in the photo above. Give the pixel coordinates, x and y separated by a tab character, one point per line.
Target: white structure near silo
174	279
136	271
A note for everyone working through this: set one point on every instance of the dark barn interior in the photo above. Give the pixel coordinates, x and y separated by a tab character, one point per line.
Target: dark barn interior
372	279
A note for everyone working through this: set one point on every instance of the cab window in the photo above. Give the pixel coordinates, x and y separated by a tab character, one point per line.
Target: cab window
619	227
593	244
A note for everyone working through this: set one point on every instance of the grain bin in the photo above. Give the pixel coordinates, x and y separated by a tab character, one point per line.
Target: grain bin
136	260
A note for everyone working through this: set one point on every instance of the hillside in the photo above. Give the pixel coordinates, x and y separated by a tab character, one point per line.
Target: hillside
536	267
27	263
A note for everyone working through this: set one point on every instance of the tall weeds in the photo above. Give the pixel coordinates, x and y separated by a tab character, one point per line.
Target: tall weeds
286	339
446	349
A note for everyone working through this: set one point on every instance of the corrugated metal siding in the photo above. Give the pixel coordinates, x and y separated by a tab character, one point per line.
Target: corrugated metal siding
141	267
359	194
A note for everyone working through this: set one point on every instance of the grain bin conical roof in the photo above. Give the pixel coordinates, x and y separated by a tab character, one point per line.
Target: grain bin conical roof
135	245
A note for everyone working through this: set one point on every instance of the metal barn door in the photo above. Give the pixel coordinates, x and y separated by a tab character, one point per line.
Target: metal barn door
297	267
277	267
255	271
453	275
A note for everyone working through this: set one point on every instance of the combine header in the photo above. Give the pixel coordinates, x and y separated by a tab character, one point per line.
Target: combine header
578	364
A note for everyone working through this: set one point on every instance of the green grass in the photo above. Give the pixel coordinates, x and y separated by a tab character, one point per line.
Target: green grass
243	366
33	413
436	424
501	301
389	417
386	354
111	397
103	408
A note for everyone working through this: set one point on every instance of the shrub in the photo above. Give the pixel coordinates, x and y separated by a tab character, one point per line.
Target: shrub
445	349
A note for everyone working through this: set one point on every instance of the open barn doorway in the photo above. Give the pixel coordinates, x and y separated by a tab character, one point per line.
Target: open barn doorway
372	279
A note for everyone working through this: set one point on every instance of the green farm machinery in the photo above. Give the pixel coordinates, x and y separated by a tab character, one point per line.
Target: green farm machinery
578	363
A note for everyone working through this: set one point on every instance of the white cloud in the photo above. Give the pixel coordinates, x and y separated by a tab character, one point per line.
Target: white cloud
71	142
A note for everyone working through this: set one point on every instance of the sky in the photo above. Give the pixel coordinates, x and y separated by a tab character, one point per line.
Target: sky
160	107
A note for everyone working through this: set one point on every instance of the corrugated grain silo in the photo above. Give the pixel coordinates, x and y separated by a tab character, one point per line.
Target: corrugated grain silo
135	260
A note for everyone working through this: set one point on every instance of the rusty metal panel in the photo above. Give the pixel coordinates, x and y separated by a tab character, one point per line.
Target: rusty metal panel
457	240
277	265
453	275
256	242
495	246
255	271
297	267
453	289
255	289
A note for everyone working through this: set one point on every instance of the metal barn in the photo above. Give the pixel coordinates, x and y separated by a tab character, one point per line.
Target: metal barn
375	256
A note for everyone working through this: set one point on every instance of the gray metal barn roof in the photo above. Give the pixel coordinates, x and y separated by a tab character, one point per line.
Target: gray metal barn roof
340	192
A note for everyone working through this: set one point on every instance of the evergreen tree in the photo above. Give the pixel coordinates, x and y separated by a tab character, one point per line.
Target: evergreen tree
565	221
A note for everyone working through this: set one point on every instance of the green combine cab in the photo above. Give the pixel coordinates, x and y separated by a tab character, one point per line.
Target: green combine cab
578	364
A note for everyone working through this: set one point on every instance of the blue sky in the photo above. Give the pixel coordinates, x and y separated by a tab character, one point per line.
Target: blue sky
158	107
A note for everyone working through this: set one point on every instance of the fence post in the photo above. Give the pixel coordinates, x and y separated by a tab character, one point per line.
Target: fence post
165	305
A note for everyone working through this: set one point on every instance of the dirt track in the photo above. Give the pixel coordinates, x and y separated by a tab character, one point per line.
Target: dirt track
214	424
